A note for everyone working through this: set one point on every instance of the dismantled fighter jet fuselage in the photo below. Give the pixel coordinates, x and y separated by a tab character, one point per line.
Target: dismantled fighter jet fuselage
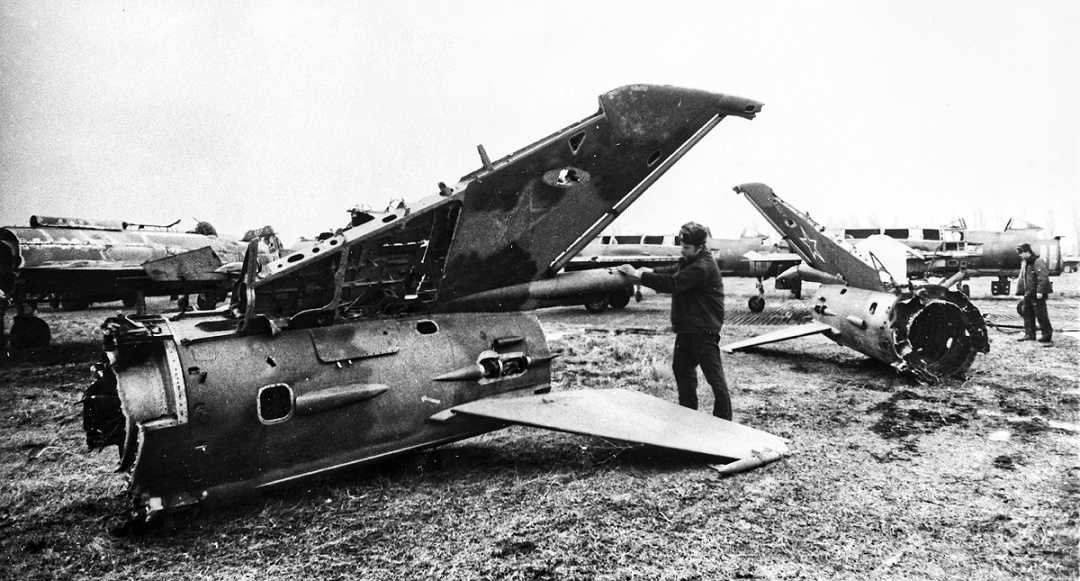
926	331
407	330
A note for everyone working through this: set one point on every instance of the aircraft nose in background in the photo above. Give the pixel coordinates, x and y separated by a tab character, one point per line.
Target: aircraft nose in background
10	261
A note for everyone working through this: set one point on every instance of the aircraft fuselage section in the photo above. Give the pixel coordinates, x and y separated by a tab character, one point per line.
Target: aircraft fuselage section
203	417
929	332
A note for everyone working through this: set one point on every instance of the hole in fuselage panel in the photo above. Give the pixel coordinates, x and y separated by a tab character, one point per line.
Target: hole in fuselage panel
576	140
275	403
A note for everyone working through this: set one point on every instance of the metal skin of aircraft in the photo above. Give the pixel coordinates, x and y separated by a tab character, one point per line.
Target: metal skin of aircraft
75	262
953	248
747	256
410	330
927	332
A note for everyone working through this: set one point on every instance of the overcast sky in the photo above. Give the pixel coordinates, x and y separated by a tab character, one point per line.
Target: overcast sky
290	113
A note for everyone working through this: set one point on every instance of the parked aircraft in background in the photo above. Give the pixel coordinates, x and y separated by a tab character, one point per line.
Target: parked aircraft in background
407	331
864	301
76	262
750	255
954	248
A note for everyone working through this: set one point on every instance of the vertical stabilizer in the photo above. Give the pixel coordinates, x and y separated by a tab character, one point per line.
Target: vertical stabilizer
819	250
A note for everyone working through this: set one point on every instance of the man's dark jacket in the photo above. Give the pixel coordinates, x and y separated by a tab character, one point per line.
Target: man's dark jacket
1034	277
697	293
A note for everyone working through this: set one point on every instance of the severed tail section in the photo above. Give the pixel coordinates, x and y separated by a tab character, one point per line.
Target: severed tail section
819	250
928	332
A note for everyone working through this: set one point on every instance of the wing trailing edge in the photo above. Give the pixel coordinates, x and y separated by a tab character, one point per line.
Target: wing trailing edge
630	416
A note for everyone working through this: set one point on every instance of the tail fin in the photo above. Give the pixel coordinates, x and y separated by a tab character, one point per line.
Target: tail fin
819	250
517	220
525	216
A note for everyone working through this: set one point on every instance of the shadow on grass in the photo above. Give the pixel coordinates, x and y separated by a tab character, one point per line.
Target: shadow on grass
74	352
468	469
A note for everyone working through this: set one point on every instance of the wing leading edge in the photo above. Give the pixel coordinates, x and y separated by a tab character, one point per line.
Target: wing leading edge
630	416
781	335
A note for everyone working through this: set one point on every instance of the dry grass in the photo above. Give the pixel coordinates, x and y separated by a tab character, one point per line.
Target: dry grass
971	479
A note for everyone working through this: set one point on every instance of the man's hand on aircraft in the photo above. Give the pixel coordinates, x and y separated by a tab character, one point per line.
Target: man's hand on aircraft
629	271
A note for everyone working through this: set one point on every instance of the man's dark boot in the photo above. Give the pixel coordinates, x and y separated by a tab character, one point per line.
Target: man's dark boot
1027	338
1045	339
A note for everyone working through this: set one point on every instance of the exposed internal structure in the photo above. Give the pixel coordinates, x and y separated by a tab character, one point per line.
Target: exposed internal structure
938	333
392	273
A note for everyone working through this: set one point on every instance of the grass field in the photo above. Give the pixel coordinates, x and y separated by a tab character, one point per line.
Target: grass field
972	479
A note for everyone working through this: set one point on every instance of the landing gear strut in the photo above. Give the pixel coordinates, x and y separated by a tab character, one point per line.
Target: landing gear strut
1001	286
757	303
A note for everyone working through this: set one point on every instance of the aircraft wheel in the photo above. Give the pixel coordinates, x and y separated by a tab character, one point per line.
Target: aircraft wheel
756	304
130	301
597	305
206	301
183	303
29	332
74	303
966	290
618	299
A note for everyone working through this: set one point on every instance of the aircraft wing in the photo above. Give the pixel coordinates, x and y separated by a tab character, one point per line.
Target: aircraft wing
630	416
781	335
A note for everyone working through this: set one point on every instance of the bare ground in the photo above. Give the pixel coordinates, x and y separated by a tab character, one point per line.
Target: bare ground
892	480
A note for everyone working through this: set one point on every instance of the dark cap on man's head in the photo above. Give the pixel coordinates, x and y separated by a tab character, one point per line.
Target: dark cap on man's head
693	233
1025	247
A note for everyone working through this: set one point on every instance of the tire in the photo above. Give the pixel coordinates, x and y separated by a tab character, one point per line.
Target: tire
29	332
619	299
597	305
966	290
756	304
206	301
130	301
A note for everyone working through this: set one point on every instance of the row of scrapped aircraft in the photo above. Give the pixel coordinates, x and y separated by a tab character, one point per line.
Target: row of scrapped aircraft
416	327
75	262
930	253
72	263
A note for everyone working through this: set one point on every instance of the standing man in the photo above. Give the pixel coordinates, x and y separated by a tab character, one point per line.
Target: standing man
1034	286
697	314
